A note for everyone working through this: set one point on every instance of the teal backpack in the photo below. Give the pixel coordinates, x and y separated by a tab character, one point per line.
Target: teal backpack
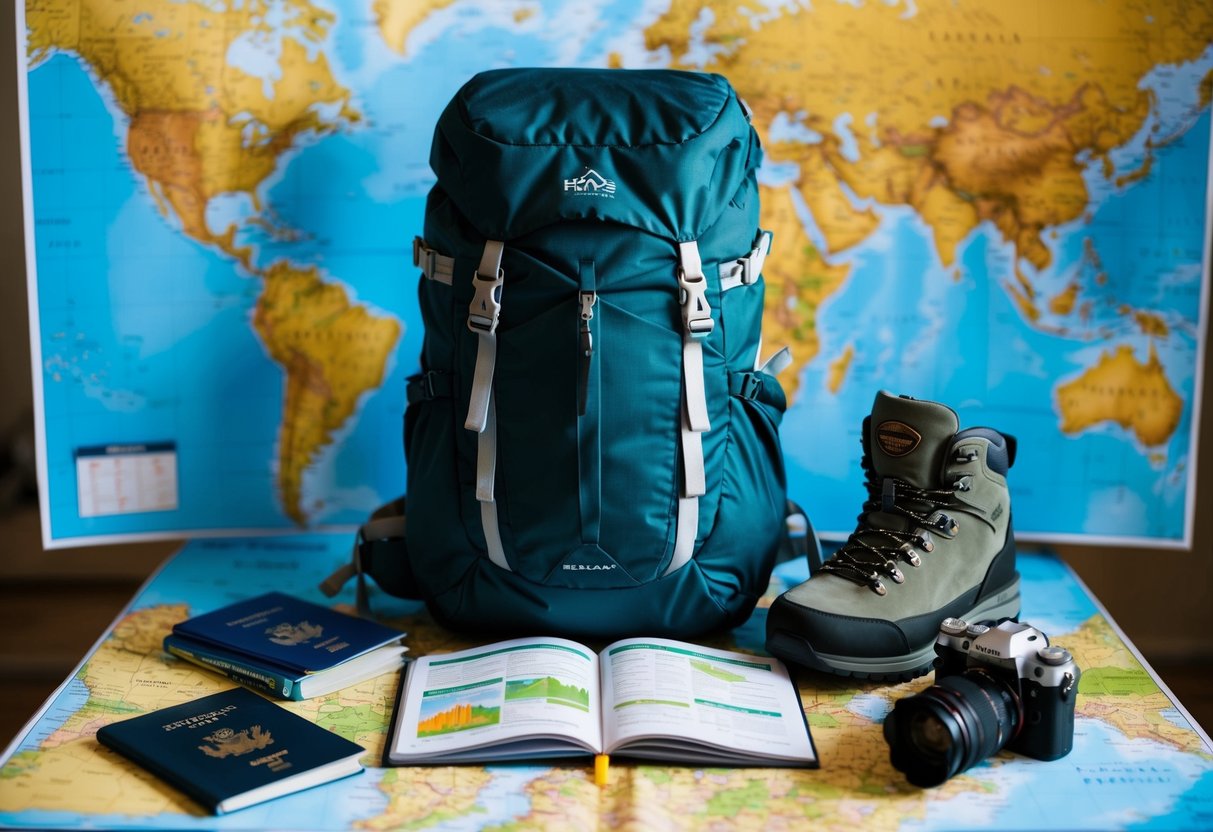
592	443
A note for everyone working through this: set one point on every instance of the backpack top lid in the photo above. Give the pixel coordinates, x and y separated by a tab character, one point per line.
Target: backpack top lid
660	150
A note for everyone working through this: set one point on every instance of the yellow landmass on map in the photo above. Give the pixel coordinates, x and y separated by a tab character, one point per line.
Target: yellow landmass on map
1063	302
419	798
1120	389
798	280
1151	324
838	369
129	675
333	352
842	224
1117	690
981	111
201	127
398	18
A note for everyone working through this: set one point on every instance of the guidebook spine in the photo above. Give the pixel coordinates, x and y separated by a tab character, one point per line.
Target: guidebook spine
255	677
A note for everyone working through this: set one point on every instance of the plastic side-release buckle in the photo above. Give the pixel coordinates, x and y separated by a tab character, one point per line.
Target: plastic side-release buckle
752	264
485	308
746	386
696	312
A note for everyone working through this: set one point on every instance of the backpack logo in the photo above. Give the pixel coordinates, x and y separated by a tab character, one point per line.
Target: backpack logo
591	183
897	438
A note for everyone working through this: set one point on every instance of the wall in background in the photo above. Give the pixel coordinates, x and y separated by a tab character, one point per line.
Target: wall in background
1161	598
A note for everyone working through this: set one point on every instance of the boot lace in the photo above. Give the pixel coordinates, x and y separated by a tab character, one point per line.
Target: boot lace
871	552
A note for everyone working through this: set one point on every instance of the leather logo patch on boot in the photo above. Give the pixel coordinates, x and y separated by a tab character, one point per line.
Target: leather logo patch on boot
897	438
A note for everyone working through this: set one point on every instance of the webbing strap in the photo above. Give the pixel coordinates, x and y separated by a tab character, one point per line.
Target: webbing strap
486	458
694	479
697	325
483	313
434	266
745	270
684	533
486	476
492	534
778	362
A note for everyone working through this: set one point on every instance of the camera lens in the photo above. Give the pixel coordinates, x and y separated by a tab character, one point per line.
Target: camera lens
929	734
951	726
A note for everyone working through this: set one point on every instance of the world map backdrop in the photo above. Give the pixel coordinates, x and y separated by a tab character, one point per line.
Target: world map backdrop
1000	206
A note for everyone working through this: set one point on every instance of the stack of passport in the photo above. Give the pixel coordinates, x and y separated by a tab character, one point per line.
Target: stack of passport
287	647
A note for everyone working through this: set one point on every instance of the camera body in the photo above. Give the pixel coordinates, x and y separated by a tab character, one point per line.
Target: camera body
995	687
1044	676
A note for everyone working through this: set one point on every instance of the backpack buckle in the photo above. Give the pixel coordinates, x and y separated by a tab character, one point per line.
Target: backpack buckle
424	257
485	308
696	312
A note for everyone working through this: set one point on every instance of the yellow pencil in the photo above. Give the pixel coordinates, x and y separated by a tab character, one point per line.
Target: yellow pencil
601	769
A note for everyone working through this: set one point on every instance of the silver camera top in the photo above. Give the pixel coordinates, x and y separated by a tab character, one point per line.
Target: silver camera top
1017	648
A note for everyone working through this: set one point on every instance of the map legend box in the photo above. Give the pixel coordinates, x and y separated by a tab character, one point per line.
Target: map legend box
126	479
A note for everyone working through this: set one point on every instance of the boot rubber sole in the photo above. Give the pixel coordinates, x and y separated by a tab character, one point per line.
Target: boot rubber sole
789	646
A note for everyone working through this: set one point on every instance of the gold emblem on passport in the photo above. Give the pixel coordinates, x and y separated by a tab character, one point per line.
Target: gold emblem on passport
227	742
289	636
897	438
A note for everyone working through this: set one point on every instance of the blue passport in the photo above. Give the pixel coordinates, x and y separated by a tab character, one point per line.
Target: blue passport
288	632
286	646
233	749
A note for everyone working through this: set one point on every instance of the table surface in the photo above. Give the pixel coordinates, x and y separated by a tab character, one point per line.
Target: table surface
1139	761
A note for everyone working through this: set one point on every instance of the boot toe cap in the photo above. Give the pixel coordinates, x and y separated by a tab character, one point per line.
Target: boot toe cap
840	635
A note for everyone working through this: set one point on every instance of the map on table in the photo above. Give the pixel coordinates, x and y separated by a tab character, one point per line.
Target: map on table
1000	206
1138	761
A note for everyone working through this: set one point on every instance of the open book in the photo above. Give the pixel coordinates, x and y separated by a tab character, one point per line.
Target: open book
650	698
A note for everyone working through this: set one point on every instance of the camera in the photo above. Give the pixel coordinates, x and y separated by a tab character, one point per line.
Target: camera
995	687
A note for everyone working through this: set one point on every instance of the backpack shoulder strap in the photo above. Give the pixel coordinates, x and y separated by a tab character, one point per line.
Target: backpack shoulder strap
380	551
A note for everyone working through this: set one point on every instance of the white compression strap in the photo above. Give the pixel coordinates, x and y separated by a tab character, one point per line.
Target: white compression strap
434	266
697	325
486	458
492	535
483	312
745	271
486	474
778	362
684	534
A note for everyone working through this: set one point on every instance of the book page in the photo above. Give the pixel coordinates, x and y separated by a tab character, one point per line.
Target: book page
498	694
698	696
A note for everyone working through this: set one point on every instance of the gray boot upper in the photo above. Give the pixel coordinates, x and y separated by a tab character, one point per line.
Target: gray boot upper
954	481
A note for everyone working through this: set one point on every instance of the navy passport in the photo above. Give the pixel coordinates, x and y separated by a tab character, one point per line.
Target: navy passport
233	749
288	632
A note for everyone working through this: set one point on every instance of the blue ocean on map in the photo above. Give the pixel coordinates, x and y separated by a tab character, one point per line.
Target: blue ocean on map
1117	783
964	343
147	336
189	308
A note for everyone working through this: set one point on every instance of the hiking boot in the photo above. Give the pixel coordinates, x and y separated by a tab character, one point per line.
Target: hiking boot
934	541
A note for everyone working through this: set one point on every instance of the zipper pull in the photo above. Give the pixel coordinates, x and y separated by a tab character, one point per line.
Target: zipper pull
588	299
